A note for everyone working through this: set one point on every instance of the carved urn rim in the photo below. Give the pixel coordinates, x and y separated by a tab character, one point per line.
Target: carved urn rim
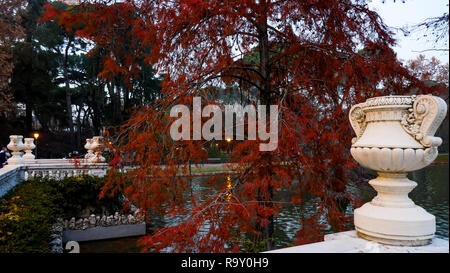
418	115
391	100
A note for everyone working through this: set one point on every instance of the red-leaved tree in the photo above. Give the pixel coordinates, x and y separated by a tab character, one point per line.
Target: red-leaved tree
314	59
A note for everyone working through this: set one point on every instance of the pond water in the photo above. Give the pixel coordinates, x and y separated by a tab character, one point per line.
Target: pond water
432	193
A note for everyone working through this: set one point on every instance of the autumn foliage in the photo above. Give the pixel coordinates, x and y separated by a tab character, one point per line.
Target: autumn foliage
314	59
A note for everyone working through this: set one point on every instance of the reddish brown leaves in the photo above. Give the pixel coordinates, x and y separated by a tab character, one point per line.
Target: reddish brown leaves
314	59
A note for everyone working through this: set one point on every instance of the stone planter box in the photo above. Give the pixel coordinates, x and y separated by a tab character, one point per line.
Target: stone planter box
101	233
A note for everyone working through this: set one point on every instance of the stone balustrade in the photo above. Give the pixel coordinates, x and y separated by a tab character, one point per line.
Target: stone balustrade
24	166
9	177
63	169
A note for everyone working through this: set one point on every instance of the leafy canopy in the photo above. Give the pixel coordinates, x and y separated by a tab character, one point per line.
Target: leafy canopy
314	59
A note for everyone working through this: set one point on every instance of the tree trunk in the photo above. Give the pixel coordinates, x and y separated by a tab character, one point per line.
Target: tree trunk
68	95
96	110
265	97
29	104
78	133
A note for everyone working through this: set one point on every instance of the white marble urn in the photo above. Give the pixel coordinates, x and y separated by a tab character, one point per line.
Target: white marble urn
97	147
29	146
16	146
88	147
394	136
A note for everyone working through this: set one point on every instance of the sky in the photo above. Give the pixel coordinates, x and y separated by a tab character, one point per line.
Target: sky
398	14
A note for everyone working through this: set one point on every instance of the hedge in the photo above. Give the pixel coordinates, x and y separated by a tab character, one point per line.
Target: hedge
28	211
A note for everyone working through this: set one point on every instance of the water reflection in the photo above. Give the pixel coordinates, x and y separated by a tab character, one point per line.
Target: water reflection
432	193
229	188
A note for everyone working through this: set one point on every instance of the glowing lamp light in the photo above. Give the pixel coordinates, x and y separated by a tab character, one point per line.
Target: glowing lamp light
36	135
228	140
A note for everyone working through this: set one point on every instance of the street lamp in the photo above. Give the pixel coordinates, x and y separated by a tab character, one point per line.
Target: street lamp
36	135
228	146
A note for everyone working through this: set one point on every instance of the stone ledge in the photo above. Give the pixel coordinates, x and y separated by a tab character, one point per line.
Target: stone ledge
100	233
349	242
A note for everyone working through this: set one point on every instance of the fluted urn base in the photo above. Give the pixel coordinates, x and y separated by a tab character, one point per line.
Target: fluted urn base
391	217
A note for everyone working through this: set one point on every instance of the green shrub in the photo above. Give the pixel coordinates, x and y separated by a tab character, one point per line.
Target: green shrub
81	192
28	211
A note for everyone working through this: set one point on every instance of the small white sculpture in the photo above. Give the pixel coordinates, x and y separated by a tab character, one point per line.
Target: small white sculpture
92	220
124	220
85	223
72	223
394	136
131	219
15	145
79	224
109	220
116	218
103	221
29	146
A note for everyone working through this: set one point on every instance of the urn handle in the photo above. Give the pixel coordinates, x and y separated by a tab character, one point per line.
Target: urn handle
357	120
424	118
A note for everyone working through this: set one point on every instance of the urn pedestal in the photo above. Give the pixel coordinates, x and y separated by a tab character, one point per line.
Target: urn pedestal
16	146
394	136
